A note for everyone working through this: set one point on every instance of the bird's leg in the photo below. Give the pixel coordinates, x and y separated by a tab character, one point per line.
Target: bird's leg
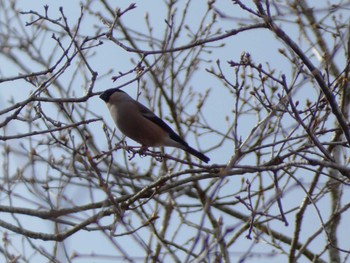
142	150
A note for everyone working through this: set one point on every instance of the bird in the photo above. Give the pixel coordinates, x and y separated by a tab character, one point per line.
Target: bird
140	124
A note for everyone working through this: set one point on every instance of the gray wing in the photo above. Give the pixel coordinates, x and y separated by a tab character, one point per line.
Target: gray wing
155	119
146	113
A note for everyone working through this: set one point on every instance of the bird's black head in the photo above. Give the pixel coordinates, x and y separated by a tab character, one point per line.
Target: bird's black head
107	94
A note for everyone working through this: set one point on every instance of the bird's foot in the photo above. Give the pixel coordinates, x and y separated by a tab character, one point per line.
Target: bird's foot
142	150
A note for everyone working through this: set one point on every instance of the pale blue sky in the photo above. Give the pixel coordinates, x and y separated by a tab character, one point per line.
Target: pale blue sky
261	44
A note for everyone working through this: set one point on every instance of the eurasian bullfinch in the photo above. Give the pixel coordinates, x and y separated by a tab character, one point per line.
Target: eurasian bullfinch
137	122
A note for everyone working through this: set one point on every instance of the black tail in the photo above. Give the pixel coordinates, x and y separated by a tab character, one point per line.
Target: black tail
199	155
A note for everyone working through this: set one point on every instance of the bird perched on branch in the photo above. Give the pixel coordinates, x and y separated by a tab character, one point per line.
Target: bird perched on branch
137	122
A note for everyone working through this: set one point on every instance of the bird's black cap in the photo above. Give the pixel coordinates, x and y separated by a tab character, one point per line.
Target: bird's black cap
107	94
